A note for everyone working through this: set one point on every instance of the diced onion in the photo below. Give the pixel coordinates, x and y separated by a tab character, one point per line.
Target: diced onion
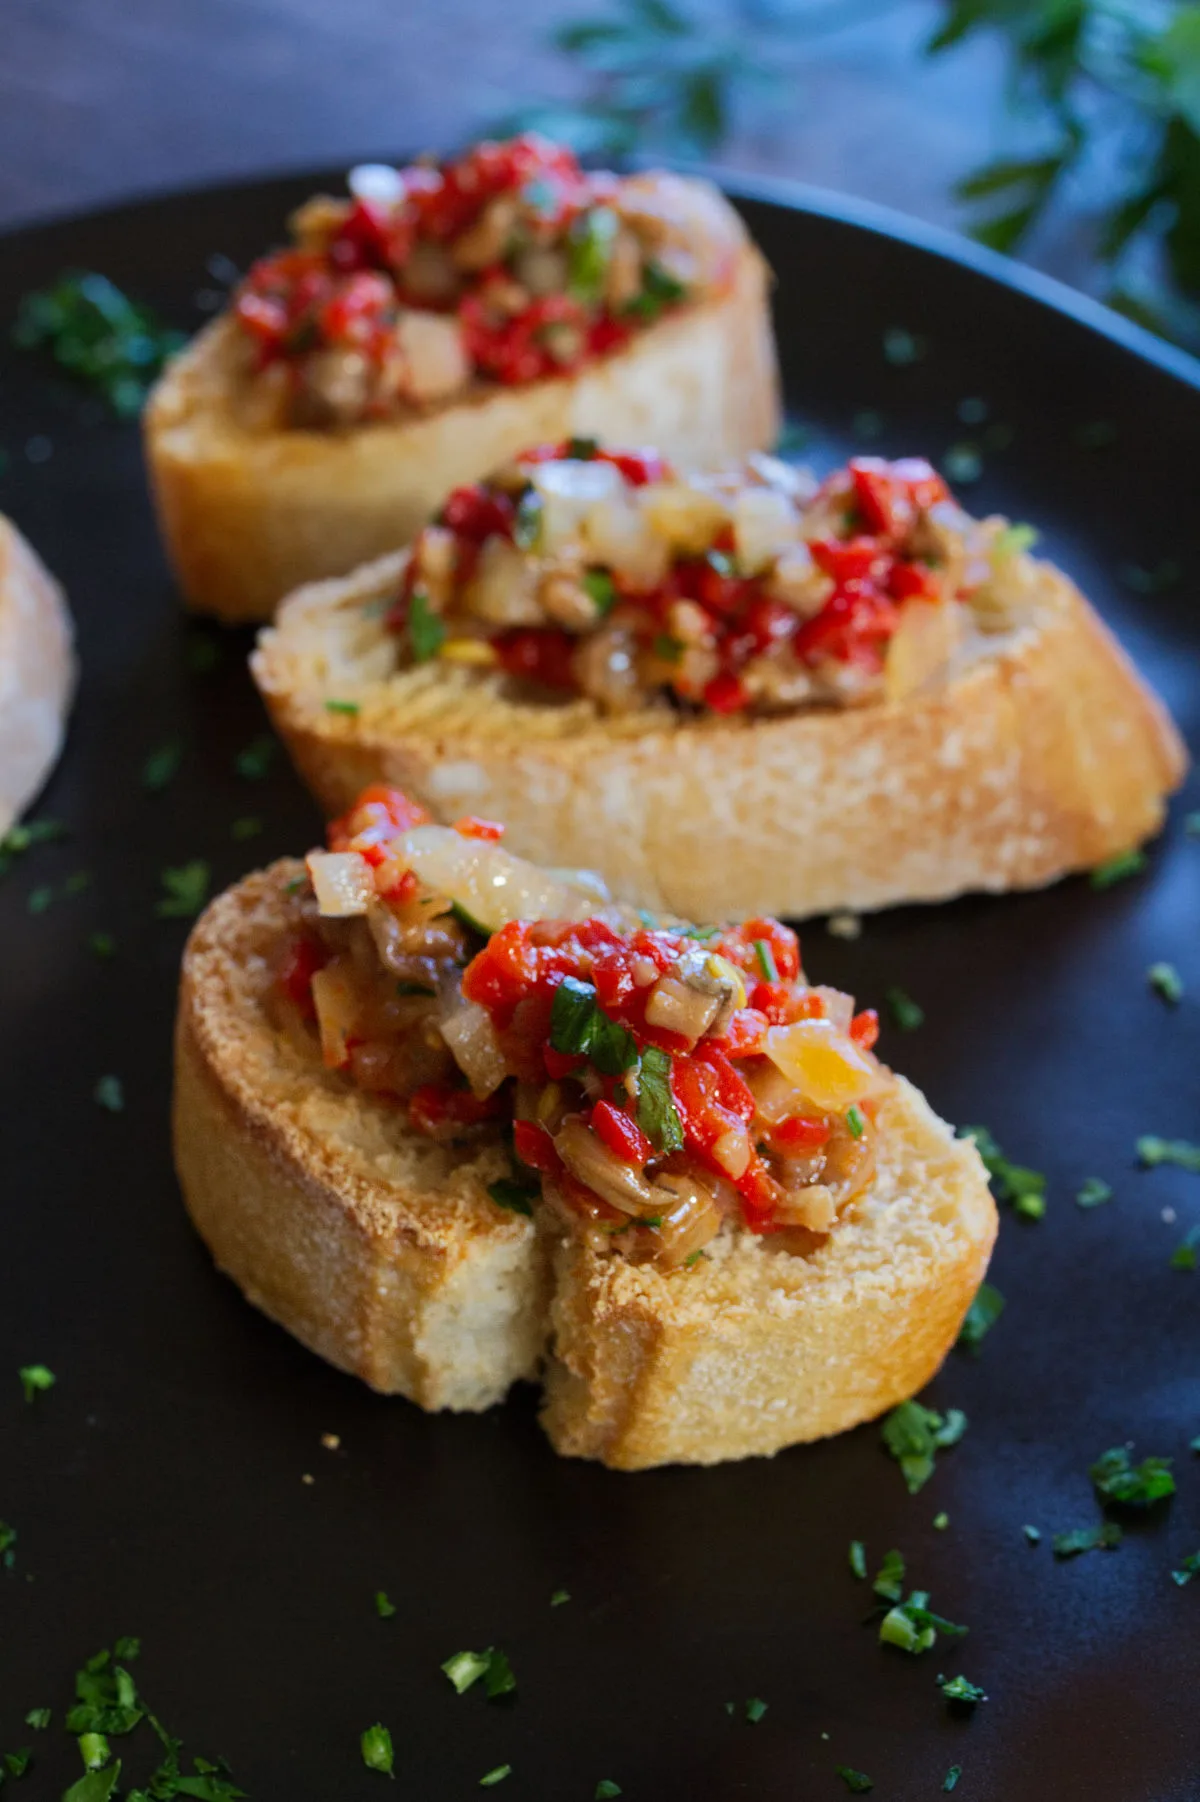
568	489
488	882
468	1031
619	534
764	523
686	516
828	1068
343	883
334	1000
922	645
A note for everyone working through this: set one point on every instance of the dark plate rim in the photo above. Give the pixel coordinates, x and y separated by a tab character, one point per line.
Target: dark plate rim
779	191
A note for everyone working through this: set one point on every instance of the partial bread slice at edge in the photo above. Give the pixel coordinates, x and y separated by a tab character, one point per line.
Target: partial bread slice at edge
37	672
1046	753
383	1252
247	515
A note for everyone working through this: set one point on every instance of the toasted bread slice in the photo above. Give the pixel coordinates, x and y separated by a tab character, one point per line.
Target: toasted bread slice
247	515
385	1254
1040	751
37	672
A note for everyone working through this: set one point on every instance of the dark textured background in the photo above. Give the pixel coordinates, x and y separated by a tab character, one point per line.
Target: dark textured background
157	1490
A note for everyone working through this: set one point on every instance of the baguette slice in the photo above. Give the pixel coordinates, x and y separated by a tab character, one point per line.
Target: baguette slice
384	1253
37	672
248	515
1043	752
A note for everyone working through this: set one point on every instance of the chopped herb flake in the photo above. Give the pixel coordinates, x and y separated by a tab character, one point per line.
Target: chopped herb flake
499	1680
38	1718
466	1668
951	1778
163	764
40	899
109	1093
982	1316
961	1690
889	1584
348	707
35	1379
1184	1255
1188	1568
377	1752
8	1539
496	1775
600	588
559	1597
657	1114
912	1627
1093	1192
659	291
1033	1534
511	1193
1010	541
766	960
941	1521
96	1786
857	1782
666	648
102	944
1154	1151
94	1750
1022	1188
1165	980
914	1434
1116	869
383	1608
253	763
905	1012
186	891
1105	1536
855	1121
580	1027
249	827
1127	1485
527	527
98	335
755	1710
858	1559
606	1790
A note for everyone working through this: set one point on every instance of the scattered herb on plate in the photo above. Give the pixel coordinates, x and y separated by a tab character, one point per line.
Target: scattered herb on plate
24	836
941	1521
1033	1535
162	765
857	1782
951	1779
496	1775
466	1668
98	335
38	1718
102	944
1105	1536
1116	869
755	1710
981	1317
1166	982
606	1790
1153	1151
383	1608
913	1627
1184	1255
514	1194
255	760
559	1597
377	1753
1093	1192
914	1434
905	1012
186	890
1187	1568
347	707
36	1379
858	1559
889	1583
1022	1188
109	1093
1124	1484
961	1690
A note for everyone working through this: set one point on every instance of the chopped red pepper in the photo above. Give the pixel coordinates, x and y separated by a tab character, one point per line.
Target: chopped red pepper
621	1134
470	826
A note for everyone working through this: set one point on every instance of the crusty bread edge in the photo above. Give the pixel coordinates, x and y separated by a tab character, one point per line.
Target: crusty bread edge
37	672
247	516
1047	755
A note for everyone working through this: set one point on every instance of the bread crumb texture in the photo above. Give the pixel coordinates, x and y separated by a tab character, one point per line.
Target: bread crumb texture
383	1252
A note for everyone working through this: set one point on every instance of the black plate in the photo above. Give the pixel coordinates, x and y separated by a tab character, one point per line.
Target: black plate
158	1489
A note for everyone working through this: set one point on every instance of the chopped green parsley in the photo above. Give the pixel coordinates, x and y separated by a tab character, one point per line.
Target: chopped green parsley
912	1626
1166	981
496	1775
766	960
35	1379
858	1559
1184	1255
1128	1485
1189	1567
1093	1192
98	1786
905	1012
606	1790
961	1690
186	891
889	1584
1116	869
559	1597
857	1782
109	1093
941	1521
98	335
755	1710
981	1317
162	765
8	1540
1153	1151
1022	1188
914	1434
426	629
466	1668
377	1753
579	1027
1105	1536
94	1750
253	763
348	707
513	1194
1033	1535
38	1718
657	1114
245	828
102	944
855	1121
598	585
383	1608
951	1778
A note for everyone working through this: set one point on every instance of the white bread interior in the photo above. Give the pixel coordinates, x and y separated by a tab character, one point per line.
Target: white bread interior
37	672
383	1252
247	514
1040	752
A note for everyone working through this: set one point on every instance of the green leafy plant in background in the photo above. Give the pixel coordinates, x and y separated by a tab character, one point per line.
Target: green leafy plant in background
1114	81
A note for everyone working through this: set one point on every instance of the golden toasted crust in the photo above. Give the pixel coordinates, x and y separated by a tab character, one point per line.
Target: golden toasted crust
755	1349
383	1252
375	1247
37	672
1046	753
247	515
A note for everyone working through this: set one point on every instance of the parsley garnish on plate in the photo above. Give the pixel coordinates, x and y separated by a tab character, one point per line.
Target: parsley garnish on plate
162	765
951	1778
253	763
905	1012
559	1597
1022	1188
1124	1484
248	827
755	1710
855	1121
102	944
36	1379
496	1775
858	1559
98	335
914	1434
186	891
1116	869
1153	1151
889	1584
377	1753
466	1668
1105	1536
981	1317
580	1027
1093	1192
109	1093
606	1790
98	1786
913	1627
347	707
18	1763
38	1718
1033	1535
657	1114
1188	1568
857	1782
1184	1255
1166	982
8	1539
511	1193
426	629
961	1690
941	1521
383	1608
